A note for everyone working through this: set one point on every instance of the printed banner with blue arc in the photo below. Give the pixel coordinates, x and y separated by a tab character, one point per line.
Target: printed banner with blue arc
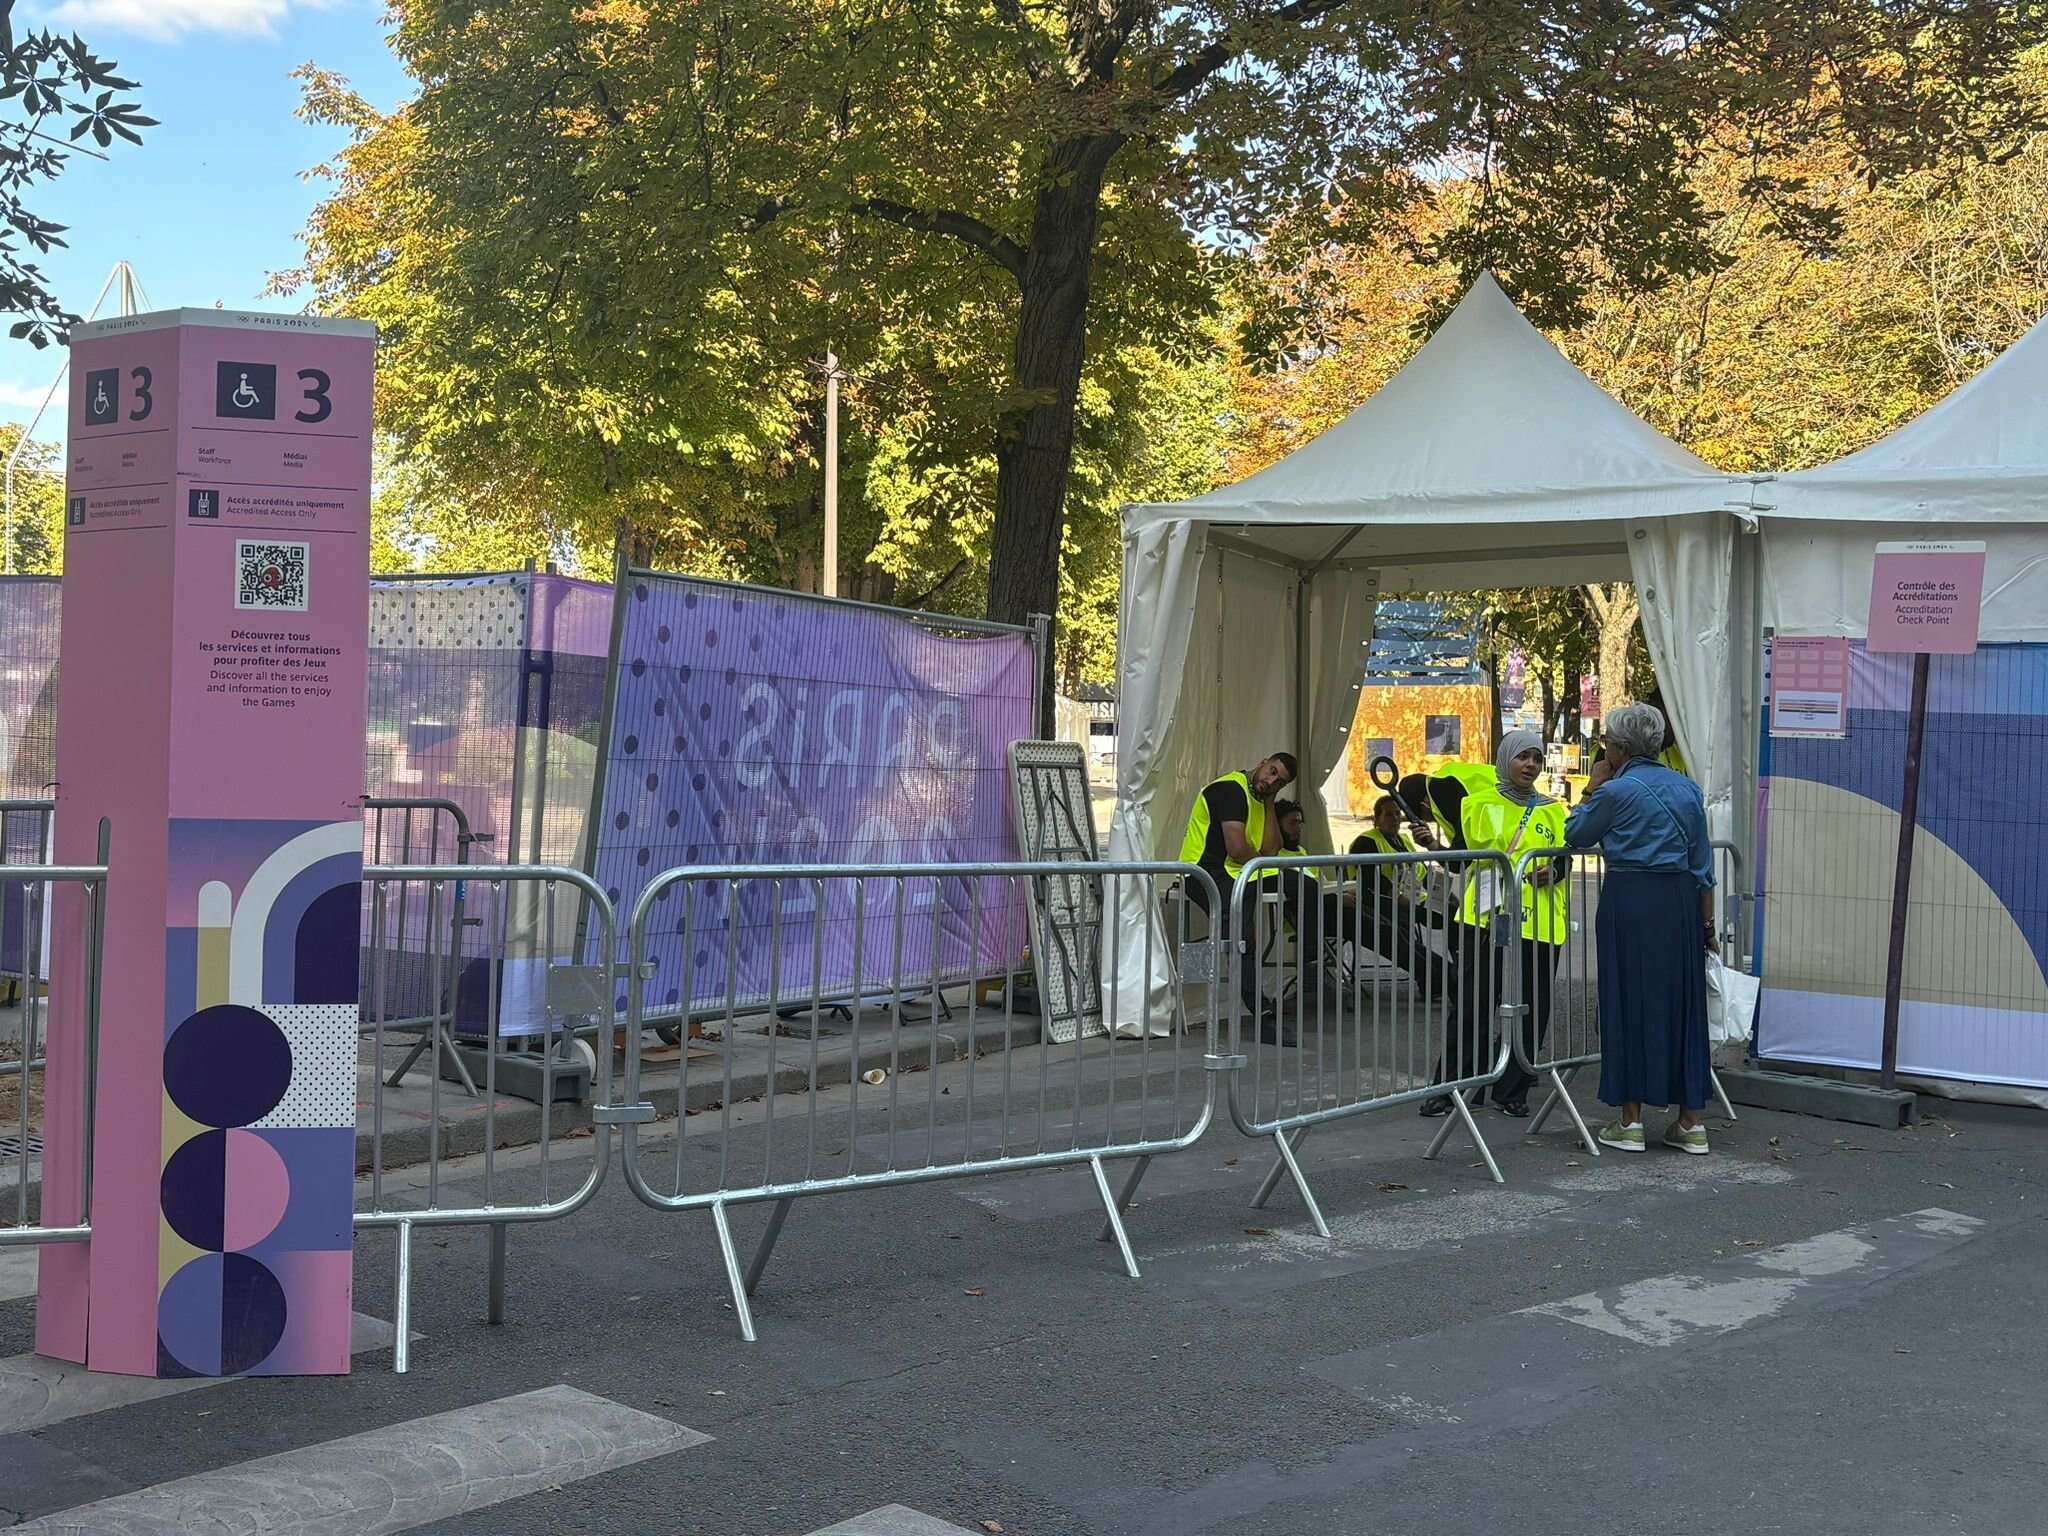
1975	995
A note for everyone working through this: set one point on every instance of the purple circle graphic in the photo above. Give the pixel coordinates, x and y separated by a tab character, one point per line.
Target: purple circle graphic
227	1065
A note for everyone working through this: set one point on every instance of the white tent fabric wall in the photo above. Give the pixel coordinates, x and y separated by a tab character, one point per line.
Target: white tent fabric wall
1489	460
1682	570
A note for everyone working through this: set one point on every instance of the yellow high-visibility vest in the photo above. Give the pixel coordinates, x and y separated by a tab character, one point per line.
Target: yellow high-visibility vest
1196	838
1491	820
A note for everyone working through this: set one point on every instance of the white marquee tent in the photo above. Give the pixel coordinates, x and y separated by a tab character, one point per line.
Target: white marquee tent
1488	461
1975	466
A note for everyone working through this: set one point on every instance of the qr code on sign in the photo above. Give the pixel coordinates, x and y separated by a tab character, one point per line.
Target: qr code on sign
269	575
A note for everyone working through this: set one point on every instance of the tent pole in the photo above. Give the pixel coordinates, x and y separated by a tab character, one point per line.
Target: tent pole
1303	766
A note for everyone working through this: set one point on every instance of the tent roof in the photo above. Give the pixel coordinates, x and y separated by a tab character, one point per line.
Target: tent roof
1979	455
1488	424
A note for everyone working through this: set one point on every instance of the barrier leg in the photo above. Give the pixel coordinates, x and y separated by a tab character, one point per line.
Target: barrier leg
447	1053
455	1060
419	1049
733	1278
400	1352
766	1246
1721	1093
1462	1115
1116	1220
1560	1093
496	1310
1287	1164
1125	1196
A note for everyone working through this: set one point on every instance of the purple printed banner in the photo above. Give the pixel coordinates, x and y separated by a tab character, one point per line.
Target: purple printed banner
755	727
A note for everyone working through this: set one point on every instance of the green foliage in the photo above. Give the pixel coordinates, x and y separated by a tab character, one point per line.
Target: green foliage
38	541
609	242
54	91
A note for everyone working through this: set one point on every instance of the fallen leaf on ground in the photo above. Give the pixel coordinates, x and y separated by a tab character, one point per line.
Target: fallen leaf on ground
1749	1242
976	1290
1258	1231
995	1527
1387	1188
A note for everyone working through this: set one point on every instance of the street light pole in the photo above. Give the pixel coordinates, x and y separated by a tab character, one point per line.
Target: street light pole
829	581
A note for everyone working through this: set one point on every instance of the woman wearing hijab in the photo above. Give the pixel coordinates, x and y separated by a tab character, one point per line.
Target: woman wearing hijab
1656	906
1510	816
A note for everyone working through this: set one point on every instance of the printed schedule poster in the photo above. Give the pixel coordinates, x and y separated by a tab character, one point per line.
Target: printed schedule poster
1810	686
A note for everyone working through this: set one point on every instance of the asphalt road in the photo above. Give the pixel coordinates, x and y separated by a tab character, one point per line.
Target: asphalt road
1819	1329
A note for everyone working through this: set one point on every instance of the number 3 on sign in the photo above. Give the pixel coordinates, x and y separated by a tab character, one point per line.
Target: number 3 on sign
317	384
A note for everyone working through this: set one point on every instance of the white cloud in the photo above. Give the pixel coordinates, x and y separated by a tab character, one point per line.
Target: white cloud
165	20
24	397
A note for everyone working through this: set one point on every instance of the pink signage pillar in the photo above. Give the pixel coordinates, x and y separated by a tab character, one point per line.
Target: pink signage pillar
216	575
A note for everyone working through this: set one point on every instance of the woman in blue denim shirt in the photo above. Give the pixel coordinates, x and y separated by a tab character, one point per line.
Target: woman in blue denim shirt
1656	909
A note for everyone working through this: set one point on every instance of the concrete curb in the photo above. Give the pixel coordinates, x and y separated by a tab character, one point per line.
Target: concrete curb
1795	1094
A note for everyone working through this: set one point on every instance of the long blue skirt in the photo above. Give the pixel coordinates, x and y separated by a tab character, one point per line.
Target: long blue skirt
1653	989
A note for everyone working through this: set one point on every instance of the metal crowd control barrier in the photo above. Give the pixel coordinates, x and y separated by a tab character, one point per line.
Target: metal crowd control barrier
1022	1102
1336	1035
1732	900
20	1140
1555	1044
489	1195
419	832
24	839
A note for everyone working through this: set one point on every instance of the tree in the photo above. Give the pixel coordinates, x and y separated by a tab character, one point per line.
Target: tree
1619	615
38	539
56	91
618	186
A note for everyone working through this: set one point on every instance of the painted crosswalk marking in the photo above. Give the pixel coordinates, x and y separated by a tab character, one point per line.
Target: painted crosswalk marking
892	1520
1670	1309
397	1478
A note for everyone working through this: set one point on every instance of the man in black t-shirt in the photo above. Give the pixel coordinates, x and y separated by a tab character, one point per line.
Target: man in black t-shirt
1234	821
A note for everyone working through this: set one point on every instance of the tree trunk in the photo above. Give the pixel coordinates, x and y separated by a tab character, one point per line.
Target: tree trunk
1552	723
1035	449
1492	702
1616	609
1568	724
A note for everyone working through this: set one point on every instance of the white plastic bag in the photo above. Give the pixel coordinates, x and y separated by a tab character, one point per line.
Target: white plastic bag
1731	1003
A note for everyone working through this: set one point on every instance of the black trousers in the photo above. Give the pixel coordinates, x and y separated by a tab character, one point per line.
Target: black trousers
1303	906
1387	927
1469	1022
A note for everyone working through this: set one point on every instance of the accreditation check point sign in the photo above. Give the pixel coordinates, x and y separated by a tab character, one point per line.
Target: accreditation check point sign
1925	599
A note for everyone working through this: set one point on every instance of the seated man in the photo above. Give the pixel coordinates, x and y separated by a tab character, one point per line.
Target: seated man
1231	824
1399	899
1336	909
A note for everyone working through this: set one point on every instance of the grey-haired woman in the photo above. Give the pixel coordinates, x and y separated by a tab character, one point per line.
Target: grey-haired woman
1655	925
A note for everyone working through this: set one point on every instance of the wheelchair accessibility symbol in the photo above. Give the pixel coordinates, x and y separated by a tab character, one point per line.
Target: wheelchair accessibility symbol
245	390
103	395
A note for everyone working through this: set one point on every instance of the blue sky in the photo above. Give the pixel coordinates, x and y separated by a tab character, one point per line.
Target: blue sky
212	202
